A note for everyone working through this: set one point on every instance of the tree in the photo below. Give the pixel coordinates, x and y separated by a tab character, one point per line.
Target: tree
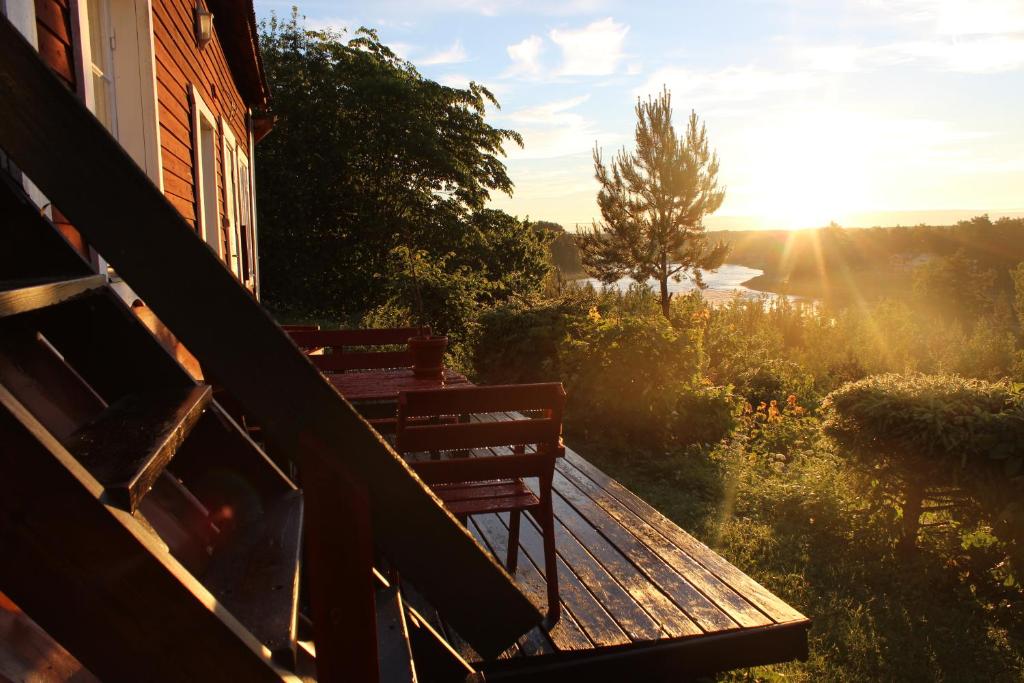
368	156
653	202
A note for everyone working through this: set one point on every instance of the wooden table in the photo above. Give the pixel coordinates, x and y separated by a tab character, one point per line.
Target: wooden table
385	385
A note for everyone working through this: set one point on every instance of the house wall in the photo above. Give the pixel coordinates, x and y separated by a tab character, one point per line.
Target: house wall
56	47
53	35
179	64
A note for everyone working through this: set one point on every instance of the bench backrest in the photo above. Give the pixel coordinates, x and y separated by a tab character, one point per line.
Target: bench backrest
416	433
338	341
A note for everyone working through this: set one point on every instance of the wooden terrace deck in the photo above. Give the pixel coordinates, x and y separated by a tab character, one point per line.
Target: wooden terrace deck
640	596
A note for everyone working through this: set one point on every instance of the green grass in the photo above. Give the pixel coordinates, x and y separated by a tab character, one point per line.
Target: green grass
803	525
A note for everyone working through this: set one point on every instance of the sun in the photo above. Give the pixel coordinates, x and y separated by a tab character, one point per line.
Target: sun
810	172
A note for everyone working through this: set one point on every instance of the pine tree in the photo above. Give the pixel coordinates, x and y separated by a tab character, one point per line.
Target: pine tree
653	202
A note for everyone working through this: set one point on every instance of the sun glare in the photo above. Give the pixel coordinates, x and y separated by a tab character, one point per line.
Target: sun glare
810	171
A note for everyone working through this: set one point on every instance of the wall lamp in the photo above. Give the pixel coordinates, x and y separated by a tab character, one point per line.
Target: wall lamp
204	26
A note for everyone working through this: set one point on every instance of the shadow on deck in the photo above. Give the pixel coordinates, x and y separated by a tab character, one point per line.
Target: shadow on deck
640	596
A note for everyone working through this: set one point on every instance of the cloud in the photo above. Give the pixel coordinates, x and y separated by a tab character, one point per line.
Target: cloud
525	56
453	55
971	54
554	129
988	54
594	50
731	84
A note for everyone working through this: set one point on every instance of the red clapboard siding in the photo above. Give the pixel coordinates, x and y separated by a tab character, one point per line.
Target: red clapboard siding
179	65
53	29
53	33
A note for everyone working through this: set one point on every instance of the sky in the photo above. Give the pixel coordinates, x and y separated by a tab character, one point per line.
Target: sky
862	112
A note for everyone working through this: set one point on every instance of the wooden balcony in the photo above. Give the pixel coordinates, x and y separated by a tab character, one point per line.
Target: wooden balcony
639	594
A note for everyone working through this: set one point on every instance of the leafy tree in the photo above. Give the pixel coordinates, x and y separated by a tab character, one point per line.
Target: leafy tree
366	156
653	202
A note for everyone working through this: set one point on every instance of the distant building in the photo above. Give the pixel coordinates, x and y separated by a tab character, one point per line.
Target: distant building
908	262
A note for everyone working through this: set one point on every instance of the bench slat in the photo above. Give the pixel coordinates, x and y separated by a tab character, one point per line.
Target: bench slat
461	436
474	399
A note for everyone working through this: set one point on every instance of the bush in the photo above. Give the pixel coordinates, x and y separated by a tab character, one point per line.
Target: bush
915	432
520	343
704	415
625	374
775	380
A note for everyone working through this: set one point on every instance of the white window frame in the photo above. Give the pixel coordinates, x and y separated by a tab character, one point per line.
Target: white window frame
202	114
229	170
135	59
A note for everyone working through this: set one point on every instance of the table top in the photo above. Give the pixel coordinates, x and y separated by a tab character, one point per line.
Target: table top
382	385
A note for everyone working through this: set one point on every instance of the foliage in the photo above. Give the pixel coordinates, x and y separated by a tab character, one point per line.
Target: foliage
625	373
367	155
450	294
955	286
775	380
653	202
919	432
703	415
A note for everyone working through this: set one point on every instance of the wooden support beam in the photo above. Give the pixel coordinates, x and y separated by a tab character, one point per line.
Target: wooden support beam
339	562
118	209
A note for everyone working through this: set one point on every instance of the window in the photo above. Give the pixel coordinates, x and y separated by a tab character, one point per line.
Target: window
204	167
237	206
101	64
245	227
117	74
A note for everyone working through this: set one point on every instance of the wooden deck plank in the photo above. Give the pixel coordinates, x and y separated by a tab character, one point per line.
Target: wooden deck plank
566	634
674	580
757	594
647	593
728	600
619	563
590	614
630	616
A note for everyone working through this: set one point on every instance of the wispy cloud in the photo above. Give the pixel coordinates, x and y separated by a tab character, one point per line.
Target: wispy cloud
972	54
556	129
525	56
455	54
731	84
594	50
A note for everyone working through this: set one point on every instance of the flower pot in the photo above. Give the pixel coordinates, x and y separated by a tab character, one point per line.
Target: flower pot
428	356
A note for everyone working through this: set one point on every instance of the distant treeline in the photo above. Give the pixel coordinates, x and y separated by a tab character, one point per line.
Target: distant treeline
996	245
825	261
564	254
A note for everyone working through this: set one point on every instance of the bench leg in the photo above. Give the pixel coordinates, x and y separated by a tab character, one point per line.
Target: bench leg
512	558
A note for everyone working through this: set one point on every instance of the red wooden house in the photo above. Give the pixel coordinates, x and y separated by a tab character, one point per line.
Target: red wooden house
144	535
180	84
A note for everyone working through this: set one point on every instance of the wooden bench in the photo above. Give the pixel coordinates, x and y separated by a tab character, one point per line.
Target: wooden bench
468	486
340	342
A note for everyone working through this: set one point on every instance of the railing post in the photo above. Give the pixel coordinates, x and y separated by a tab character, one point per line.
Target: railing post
339	563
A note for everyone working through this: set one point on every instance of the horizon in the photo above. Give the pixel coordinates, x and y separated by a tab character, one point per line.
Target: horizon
864	112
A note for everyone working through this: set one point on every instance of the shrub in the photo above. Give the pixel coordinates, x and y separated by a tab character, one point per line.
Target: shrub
775	380
625	374
915	432
704	415
519	343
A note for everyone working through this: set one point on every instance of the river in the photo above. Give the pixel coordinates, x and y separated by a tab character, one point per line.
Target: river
722	284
